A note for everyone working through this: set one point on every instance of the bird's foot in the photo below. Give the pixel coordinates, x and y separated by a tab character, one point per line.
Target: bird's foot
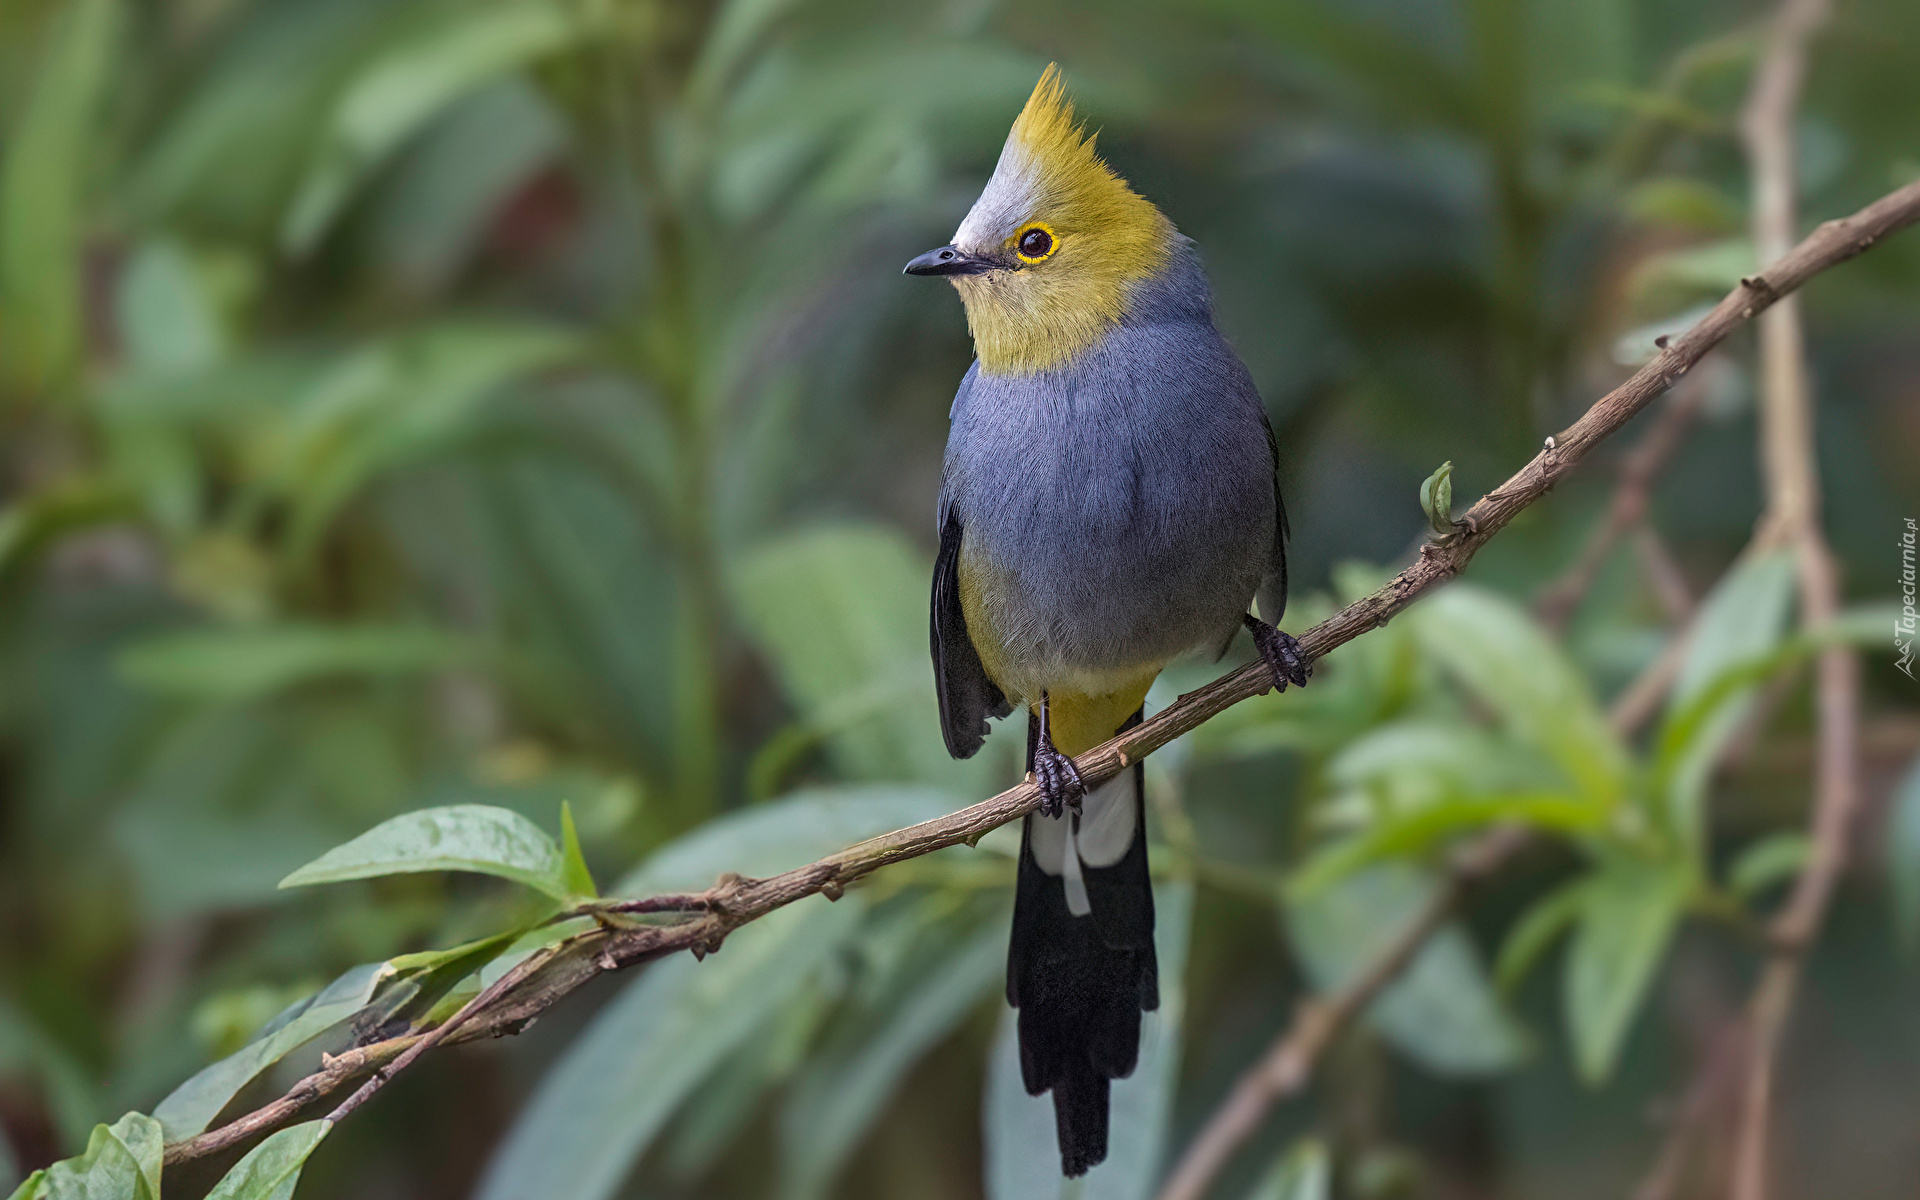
1054	774
1281	653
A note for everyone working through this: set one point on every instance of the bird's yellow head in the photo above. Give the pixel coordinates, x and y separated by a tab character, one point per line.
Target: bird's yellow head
1048	258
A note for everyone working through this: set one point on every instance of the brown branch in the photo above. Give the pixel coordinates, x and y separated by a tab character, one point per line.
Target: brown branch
1793	518
1288	1063
488	996
1639	470
734	901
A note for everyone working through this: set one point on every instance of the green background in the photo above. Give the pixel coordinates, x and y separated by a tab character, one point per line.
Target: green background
412	403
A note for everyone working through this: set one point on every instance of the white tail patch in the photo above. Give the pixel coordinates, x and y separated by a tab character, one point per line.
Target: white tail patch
1098	837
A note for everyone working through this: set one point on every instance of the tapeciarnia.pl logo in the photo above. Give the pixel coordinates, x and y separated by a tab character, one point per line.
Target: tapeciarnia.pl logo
1903	628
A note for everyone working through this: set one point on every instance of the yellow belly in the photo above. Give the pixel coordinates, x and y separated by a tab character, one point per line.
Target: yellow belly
1080	722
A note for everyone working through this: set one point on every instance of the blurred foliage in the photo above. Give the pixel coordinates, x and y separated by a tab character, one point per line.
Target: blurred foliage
443	437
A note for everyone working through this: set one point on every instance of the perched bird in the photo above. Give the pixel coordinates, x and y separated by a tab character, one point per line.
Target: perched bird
1108	504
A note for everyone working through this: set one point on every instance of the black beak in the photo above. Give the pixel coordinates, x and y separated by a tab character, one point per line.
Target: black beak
947	261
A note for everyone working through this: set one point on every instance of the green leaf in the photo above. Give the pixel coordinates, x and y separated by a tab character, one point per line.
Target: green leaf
415	984
1441	1011
164	312
1536	930
33	1187
1768	861
71	1096
393	402
1682	202
460	837
398	93
1403	835
1715	267
1644	343
1903	856
1863	625
121	1162
1695	721
38	519
1304	1172
842	612
1572	47
241	664
1744	619
1628	914
41	193
1409	763
1494	648
737	29
719	1111
574	874
229	151
1436	499
444	193
838	1096
760	841
271	1170
1023	1155
1411	77
588	589
608	1097
192	1106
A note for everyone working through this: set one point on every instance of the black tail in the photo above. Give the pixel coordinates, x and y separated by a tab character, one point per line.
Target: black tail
1081	982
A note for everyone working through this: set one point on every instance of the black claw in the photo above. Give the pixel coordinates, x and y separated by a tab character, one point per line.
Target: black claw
1281	653
1059	783
1054	773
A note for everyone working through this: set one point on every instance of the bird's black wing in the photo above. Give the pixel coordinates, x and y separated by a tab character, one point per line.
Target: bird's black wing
1273	590
967	696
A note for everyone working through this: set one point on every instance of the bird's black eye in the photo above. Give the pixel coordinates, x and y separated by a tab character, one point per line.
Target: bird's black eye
1034	243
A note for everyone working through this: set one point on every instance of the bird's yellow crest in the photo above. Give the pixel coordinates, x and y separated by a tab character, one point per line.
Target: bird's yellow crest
1074	239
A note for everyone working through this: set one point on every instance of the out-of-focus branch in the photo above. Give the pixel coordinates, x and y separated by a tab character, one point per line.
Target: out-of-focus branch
1637	703
1793	518
1288	1063
568	965
1668	580
1639	470
1707	1097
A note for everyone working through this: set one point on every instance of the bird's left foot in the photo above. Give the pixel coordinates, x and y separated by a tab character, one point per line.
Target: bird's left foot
1054	773
1281	653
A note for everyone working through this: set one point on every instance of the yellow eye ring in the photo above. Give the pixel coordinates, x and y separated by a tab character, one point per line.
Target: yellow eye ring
1035	243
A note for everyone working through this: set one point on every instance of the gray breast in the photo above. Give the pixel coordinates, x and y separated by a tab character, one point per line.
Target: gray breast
1121	507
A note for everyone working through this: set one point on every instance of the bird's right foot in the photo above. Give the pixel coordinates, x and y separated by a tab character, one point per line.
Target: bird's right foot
1283	656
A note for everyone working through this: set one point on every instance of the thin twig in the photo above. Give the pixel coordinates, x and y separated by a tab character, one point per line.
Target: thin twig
1768	128
1668	580
1717	1077
1639	470
654	904
1288	1063
1639	700
735	901
489	995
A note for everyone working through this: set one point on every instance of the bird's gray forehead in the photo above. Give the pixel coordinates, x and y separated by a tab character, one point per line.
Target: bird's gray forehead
1007	202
